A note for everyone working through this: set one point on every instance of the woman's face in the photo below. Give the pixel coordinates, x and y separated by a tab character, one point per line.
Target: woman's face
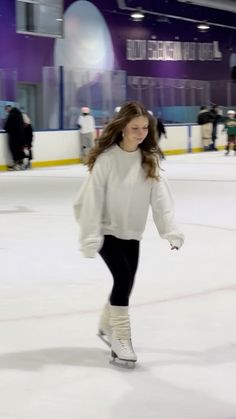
136	130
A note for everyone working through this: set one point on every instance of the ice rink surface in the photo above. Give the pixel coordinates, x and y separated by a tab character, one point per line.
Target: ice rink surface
183	308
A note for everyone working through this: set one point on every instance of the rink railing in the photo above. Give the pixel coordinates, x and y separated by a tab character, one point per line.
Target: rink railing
54	148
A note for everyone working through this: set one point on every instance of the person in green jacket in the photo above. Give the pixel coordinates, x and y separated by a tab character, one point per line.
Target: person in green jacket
230	127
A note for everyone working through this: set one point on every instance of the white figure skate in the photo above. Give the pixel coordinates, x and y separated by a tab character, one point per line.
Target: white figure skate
121	344
122	350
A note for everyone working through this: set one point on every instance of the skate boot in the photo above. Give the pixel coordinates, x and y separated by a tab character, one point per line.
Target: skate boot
104	328
121	344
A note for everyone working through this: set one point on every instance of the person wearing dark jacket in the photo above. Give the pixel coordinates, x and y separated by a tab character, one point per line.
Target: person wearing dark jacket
205	120
28	140
161	131
216	118
14	126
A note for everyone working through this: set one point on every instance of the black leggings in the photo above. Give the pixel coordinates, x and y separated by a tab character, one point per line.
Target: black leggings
121	257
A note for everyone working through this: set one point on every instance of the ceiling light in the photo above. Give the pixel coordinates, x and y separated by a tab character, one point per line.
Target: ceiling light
137	16
203	26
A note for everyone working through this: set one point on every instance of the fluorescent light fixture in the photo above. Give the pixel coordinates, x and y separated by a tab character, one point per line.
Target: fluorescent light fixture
59	20
203	26
137	15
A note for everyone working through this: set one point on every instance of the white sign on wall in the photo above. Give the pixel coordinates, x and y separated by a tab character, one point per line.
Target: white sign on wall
139	49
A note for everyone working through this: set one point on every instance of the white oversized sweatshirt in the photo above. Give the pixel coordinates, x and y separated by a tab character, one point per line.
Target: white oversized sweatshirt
115	200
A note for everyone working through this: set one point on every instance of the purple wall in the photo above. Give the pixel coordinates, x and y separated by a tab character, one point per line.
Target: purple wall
29	54
205	70
122	28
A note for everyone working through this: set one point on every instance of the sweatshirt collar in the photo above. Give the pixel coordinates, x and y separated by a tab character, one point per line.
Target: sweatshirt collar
128	153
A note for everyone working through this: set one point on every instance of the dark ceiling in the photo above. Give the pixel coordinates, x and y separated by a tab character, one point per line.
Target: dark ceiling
175	8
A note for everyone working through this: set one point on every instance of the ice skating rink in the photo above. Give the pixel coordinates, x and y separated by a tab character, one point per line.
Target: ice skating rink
183	308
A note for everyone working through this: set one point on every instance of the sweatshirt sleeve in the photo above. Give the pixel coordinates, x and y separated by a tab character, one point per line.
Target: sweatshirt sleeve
88	208
163	212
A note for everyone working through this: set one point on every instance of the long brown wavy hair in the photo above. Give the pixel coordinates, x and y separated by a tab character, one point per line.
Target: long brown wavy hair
112	134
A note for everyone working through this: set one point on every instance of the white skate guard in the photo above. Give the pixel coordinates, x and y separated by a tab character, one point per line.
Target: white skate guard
121	344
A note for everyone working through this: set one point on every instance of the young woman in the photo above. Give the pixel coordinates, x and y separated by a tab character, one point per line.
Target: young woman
112	210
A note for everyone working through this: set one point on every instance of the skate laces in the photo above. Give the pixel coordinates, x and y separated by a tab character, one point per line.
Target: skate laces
126	345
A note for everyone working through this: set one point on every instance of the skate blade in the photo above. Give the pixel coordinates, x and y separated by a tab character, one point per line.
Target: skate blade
104	339
122	363
127	365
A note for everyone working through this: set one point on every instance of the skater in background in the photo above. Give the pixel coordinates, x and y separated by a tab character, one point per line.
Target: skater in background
216	118
14	126
117	110
28	141
112	208
86	126
230	128
161	130
205	120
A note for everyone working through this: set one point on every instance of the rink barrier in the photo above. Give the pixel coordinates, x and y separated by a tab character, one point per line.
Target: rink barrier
56	148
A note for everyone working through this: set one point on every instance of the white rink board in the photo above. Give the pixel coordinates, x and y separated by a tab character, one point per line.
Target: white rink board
59	146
